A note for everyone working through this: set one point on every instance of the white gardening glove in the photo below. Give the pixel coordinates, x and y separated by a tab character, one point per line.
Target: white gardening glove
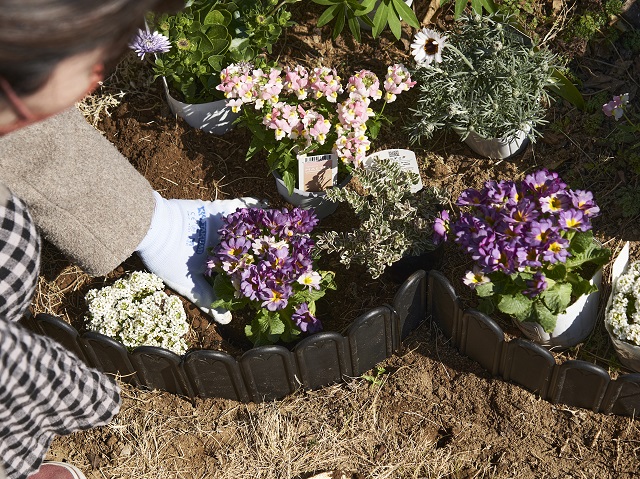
176	246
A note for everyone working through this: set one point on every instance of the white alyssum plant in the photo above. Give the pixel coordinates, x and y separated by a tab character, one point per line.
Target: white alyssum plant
623	316
136	311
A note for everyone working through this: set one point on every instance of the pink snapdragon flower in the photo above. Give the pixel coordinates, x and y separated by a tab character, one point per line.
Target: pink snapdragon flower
397	80
364	84
616	106
352	145
354	113
324	81
296	81
316	127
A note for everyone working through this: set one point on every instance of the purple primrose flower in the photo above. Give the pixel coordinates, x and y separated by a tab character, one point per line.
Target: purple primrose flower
306	321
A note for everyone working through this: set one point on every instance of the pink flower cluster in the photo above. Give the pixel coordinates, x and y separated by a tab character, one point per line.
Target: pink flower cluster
616	106
303	105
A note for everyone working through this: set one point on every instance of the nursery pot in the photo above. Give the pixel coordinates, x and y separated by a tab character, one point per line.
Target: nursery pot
309	199
399	271
497	148
628	353
213	117
573	326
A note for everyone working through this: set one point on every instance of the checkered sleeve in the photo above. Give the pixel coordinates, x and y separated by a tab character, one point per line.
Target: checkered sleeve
19	257
44	389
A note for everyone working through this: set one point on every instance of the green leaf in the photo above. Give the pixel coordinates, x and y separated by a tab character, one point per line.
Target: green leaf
517	305
486	306
225	294
476	6
544	317
489	6
460	6
328	15
406	13
216	62
556	272
373	128
327	2
340	20
485	290
289	180
567	90
354	27
558	297
214	17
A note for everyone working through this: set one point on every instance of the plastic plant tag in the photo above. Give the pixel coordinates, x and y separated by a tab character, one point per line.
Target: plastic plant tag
318	172
405	158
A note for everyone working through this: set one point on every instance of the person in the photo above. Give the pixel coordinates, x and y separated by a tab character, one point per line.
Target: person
60	174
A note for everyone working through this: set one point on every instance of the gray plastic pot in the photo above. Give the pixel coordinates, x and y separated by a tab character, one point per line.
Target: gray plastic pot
213	117
573	326
308	199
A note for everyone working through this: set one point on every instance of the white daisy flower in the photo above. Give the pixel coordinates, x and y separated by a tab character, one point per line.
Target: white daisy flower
427	46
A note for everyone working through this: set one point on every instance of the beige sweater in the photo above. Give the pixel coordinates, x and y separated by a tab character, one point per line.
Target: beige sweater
84	196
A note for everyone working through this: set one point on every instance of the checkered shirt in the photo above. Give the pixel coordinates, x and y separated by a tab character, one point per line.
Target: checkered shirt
44	389
19	258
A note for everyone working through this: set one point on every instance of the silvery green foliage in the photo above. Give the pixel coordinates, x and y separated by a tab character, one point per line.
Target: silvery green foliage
393	221
137	312
503	93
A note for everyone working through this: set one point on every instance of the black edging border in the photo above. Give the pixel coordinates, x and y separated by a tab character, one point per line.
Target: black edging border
271	372
263	373
575	382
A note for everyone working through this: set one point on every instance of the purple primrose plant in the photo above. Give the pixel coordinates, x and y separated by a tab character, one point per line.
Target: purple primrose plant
264	261
531	241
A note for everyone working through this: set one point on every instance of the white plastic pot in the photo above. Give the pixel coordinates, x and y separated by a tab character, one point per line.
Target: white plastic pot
497	148
308	199
573	326
214	117
628	354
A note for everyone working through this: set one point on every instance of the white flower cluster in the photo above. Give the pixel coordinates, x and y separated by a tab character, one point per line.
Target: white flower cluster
623	316
136	311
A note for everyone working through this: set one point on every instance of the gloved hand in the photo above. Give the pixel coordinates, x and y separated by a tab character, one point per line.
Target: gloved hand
176	246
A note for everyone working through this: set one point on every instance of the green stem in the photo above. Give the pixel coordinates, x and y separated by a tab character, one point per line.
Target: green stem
462	56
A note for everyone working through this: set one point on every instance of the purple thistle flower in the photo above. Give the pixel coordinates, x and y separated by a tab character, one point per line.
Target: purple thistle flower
306	321
146	42
536	285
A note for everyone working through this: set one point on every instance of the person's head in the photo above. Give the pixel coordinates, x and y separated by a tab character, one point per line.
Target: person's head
52	52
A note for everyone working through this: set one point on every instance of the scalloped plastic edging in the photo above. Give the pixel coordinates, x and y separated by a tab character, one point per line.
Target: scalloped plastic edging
263	373
575	383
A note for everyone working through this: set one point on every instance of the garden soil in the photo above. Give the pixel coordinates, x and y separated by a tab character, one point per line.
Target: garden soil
426	412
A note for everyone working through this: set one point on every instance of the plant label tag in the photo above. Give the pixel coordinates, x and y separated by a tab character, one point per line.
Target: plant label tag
318	172
405	158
